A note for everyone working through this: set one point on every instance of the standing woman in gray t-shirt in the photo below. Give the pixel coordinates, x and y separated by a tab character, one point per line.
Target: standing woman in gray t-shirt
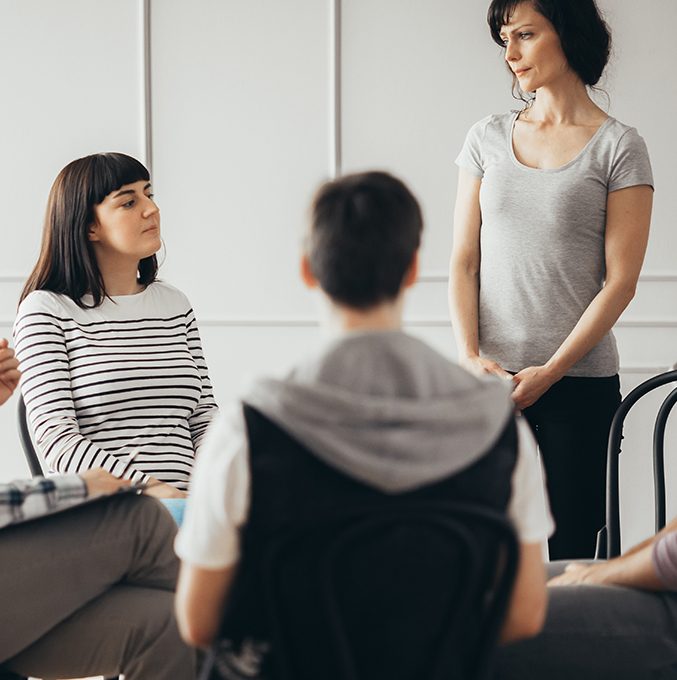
550	229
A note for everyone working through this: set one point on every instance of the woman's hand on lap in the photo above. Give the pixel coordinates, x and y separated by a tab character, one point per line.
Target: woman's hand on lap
159	489
577	574
100	482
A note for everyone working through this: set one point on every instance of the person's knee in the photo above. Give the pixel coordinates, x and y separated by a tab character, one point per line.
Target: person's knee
146	516
154	641
158	516
151	560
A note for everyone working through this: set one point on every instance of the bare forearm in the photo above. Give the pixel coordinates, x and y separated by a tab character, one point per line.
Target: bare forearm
200	597
667	529
635	570
526	610
463	308
597	320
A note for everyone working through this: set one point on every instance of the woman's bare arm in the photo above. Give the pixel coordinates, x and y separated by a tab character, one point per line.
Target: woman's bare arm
627	233
464	272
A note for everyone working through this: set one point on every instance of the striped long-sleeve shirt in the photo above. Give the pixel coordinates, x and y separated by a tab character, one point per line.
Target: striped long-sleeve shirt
123	386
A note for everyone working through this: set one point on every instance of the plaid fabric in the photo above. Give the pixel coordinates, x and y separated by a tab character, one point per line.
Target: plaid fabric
22	500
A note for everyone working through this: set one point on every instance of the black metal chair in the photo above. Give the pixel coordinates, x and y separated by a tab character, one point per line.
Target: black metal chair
37	470
26	437
609	537
418	592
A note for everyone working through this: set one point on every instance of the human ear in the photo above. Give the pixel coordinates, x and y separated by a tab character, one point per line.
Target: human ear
307	275
93	232
412	273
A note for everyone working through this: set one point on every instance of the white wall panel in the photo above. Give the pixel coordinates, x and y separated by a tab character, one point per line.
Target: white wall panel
641	84
71	79
655	299
271	352
415	76
647	346
241	139
10	289
72	85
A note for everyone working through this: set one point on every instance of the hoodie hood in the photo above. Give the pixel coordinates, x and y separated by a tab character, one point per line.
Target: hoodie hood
387	410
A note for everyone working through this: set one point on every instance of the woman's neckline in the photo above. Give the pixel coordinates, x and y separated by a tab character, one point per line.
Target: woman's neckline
121	299
138	294
568	164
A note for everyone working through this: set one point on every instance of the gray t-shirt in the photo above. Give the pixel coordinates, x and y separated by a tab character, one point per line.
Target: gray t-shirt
542	240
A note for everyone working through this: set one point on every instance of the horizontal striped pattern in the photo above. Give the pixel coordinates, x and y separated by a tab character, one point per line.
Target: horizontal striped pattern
123	386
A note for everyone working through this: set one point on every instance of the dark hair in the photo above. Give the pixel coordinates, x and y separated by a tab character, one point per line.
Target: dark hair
365	230
583	33
67	263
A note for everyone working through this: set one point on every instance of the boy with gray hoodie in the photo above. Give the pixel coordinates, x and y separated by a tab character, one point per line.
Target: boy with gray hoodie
376	409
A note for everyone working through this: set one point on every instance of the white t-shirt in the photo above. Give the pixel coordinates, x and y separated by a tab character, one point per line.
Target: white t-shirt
219	500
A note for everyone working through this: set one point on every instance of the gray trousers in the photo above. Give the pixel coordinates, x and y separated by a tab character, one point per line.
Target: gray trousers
598	633
90	592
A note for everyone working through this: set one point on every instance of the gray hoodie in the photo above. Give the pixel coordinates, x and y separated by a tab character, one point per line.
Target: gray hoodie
387	409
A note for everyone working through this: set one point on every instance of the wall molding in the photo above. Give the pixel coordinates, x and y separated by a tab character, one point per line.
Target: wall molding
424	277
298	321
335	121
146	84
644	370
310	322
646	323
442	276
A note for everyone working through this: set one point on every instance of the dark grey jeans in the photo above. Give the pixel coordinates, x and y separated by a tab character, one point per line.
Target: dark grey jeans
90	591
598	633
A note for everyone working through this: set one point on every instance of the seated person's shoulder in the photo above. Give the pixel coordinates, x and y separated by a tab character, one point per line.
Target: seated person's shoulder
44	302
169	296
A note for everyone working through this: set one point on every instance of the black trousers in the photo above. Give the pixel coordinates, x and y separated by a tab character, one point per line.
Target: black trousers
571	423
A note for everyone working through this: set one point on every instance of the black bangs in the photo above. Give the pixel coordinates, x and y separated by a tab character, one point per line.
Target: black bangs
499	15
109	171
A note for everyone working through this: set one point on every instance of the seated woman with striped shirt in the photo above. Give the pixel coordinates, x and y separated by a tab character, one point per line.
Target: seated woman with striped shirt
113	370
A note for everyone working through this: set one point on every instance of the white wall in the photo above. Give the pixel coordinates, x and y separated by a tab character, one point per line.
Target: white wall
72	85
247	100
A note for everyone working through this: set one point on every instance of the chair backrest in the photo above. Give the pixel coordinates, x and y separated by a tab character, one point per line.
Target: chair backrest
26	438
413	593
34	465
9	675
609	538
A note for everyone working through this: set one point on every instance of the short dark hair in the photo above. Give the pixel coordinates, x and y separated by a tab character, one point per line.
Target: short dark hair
583	33
365	230
67	263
